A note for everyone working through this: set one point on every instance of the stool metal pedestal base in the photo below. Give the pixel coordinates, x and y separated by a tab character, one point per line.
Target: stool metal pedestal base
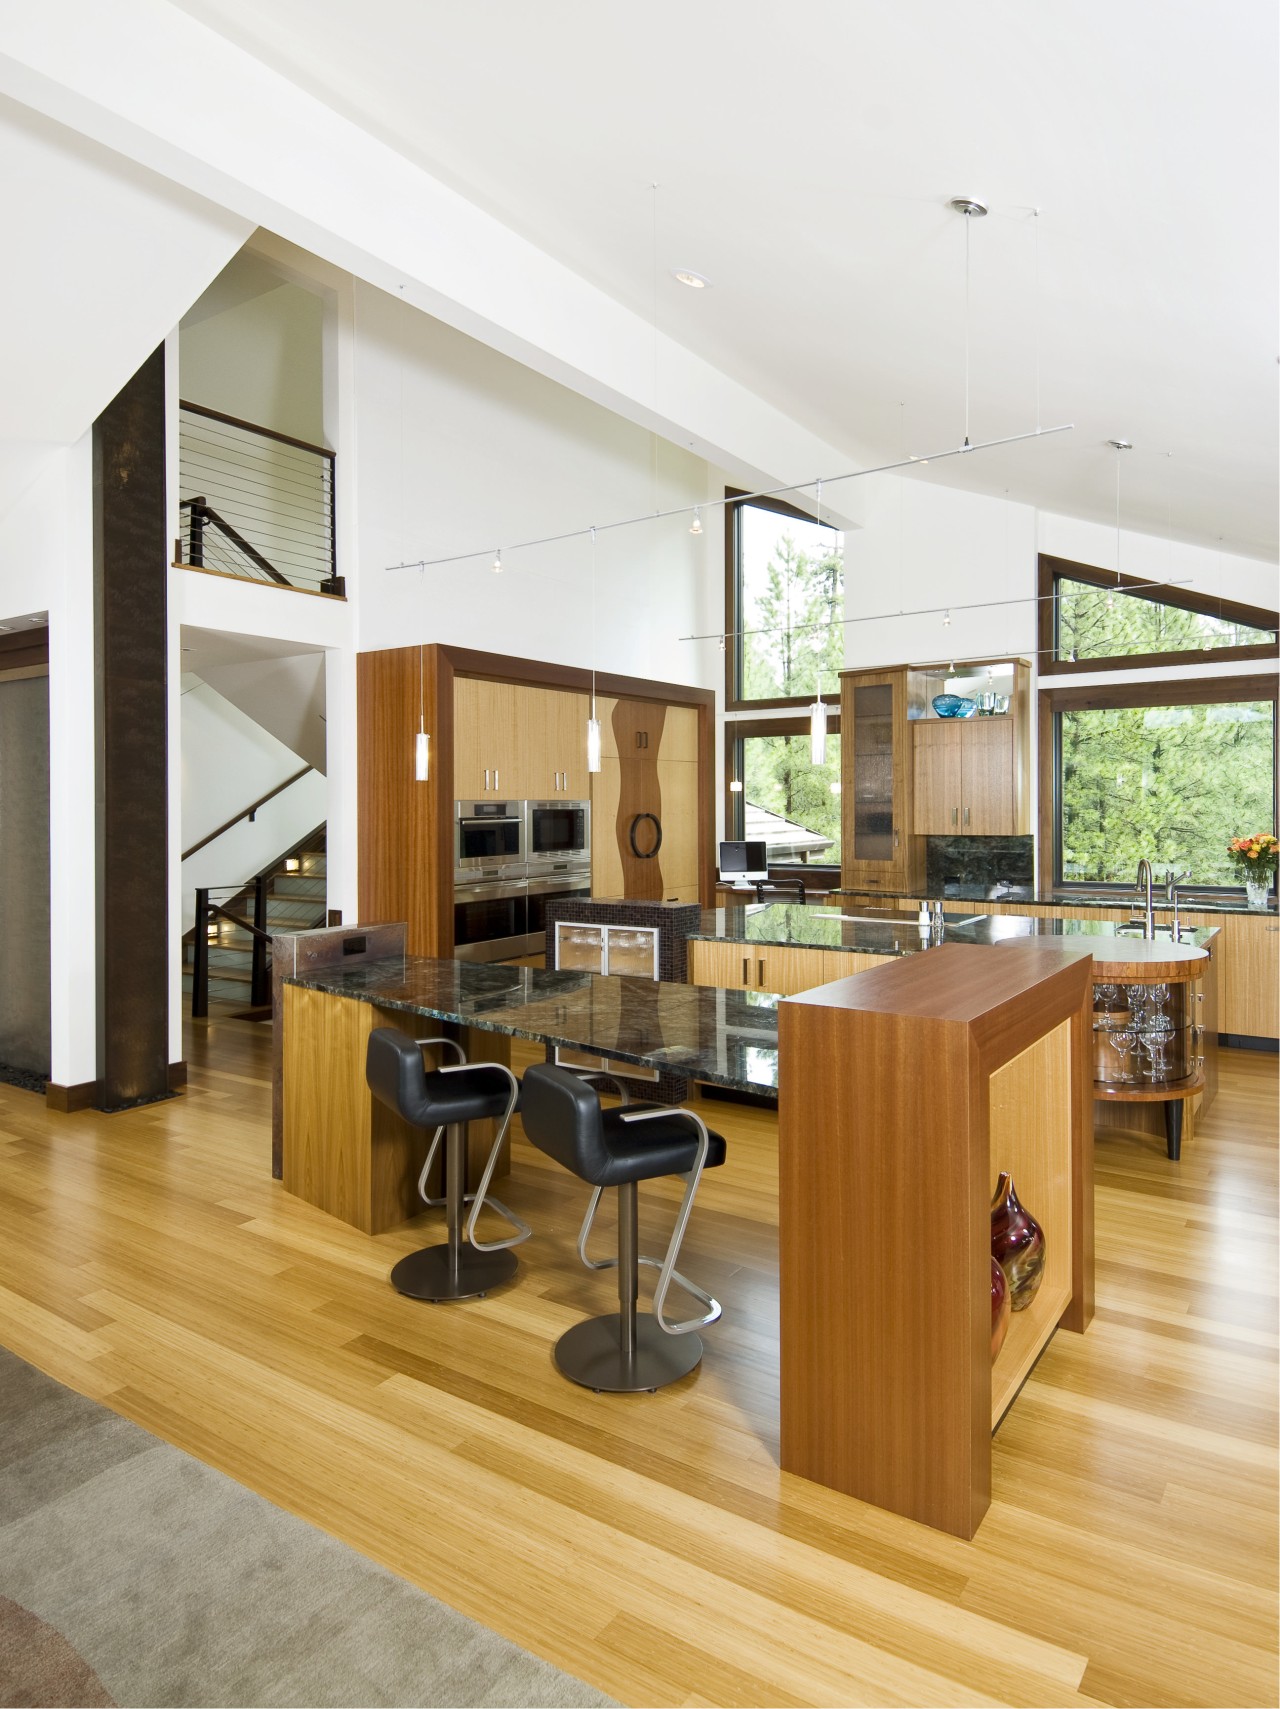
591	1354
436	1273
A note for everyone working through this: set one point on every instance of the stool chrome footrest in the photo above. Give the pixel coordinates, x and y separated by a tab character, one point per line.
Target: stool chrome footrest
592	1354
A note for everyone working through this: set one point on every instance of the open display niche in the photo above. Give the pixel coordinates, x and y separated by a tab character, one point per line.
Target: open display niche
1030	1140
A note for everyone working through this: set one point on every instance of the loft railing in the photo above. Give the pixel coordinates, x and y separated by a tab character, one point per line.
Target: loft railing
255	503
208	913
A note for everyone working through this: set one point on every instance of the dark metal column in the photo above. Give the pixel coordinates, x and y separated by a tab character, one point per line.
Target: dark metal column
130	584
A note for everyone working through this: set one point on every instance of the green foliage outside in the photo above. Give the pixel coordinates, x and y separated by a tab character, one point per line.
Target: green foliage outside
792	606
1096	624
1171	783
779	775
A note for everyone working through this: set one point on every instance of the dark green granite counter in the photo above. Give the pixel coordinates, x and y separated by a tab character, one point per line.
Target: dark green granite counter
1124	902
888	931
727	1037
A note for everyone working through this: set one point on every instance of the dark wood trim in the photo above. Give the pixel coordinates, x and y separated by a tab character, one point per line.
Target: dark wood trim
246	812
1180	691
24	649
445	795
1050	568
253	427
503	667
1190	691
68	1099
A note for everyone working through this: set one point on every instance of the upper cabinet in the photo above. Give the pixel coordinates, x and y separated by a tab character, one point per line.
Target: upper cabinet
515	741
971	775
877	710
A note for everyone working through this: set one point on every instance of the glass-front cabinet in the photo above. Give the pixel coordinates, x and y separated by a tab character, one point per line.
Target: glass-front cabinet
876	712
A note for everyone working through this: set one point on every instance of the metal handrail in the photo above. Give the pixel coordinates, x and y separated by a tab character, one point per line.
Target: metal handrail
245	813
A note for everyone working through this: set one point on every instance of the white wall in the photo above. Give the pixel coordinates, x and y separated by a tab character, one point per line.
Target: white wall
461	449
260	359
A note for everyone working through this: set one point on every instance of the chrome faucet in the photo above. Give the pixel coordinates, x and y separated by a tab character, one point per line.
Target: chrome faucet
1143	886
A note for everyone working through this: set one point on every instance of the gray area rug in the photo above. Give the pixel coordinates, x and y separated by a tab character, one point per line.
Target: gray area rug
130	1572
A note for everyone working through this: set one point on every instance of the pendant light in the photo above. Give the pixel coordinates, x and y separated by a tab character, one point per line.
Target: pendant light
695	527
1117	445
593	723
422	742
818	711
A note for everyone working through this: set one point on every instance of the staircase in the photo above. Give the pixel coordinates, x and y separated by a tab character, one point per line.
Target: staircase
296	901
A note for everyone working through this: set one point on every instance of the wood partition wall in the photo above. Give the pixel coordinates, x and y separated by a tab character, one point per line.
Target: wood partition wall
406	827
903	1093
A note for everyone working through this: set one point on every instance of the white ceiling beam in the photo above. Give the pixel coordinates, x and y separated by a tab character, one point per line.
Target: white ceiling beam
151	83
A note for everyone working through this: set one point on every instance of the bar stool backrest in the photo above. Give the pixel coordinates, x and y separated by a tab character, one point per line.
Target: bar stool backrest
561	1116
396	1075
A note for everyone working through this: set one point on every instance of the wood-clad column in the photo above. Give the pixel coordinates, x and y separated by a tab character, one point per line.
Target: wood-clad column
130	632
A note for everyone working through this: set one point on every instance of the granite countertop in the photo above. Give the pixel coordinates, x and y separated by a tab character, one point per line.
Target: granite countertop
1126	902
727	1037
888	931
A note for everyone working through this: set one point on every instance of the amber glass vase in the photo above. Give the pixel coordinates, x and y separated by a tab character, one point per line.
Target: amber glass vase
1017	1244
999	1309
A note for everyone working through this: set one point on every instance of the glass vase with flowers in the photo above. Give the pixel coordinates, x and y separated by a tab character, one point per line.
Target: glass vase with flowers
1255	859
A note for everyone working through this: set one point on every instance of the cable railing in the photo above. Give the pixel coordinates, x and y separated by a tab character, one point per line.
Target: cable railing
255	503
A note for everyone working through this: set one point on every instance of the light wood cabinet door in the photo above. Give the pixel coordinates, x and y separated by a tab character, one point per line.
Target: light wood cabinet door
938	785
724	965
557	727
987	806
680	735
843	963
1248	958
489	750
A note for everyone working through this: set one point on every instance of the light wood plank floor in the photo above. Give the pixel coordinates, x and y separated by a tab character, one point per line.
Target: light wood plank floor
650	1544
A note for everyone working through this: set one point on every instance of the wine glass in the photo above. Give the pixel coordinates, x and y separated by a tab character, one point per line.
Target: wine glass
1154	1044
1122	1043
1157	1020
1136	996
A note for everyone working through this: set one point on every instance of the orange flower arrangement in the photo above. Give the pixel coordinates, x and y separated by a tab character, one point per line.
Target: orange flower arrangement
1255	857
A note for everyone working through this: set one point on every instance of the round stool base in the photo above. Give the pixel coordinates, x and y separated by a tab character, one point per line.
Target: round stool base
591	1354
427	1275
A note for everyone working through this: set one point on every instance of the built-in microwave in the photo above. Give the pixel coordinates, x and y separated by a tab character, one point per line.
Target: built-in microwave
489	837
557	831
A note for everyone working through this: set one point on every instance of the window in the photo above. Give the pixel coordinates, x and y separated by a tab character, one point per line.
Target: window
1169	773
786	802
1091	619
784	604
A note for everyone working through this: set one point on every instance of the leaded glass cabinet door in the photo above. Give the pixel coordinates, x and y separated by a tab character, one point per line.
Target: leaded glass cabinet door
880	851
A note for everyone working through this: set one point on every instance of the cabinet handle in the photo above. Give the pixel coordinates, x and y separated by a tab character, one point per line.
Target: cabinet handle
760	973
486	777
895	836
495	777
955	815
746	977
966	815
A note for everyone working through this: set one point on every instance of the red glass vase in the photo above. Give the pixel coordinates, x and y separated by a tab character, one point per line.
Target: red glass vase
999	1309
1017	1244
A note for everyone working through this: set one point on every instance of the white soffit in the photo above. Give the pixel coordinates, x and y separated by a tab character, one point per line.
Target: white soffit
104	257
804	156
143	78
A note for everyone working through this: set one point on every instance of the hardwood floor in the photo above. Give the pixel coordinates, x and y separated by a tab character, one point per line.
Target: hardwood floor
650	1544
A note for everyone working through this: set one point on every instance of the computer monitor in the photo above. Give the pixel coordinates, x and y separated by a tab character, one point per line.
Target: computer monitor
743	864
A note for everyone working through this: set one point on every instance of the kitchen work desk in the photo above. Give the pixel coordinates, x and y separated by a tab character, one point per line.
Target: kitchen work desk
351	1156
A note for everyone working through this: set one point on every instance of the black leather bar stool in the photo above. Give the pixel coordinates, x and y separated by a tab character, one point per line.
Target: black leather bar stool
626	1351
446	1099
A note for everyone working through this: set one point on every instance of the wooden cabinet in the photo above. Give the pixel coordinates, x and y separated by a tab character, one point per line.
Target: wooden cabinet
1248	957
876	762
966	777
782	968
554	726
491	753
516	741
649	766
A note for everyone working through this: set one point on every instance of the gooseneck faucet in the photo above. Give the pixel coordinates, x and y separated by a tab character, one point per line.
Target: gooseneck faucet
1143	886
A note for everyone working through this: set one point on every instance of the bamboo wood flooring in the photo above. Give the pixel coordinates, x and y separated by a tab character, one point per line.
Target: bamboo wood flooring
650	1544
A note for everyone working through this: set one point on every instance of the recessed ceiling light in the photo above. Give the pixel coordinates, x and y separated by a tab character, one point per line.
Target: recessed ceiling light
695	281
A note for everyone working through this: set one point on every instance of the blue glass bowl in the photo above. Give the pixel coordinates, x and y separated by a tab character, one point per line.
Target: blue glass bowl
954	706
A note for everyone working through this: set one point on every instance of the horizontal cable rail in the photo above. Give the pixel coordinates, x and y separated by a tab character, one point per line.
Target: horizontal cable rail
255	503
244	813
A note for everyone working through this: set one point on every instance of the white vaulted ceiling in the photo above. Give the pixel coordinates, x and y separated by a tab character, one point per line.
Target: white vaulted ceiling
804	153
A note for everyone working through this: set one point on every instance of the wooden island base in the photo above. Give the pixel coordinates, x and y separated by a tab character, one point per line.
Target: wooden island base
903	1093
